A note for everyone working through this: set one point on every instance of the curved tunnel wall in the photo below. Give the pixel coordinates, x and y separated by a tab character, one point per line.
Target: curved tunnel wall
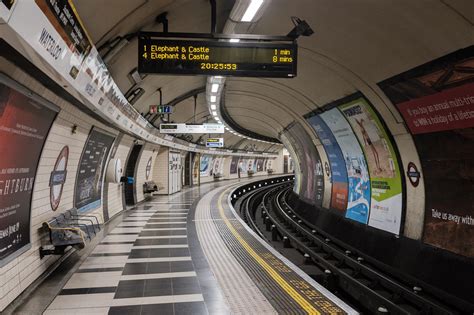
374	188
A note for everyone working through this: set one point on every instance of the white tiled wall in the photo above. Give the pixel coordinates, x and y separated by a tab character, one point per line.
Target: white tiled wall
148	151
115	191
160	170
17	275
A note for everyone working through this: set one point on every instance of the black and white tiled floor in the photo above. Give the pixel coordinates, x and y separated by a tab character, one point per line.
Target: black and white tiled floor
143	266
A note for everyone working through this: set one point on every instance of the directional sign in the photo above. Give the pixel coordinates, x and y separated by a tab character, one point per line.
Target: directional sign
215	142
191	128
209	57
161	109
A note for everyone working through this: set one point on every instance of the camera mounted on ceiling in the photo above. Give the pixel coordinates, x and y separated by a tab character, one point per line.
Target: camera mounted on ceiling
301	28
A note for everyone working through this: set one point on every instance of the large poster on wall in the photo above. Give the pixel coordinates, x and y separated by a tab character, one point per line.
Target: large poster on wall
338	172
358	203
385	178
234	163
260	164
205	165
24	126
90	175
436	101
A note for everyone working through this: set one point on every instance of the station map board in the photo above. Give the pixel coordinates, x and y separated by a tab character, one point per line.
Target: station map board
210	57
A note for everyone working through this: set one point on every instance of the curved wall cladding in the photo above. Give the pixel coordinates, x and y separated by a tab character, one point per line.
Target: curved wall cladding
312	180
436	101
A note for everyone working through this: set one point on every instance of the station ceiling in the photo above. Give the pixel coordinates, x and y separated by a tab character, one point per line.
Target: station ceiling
356	44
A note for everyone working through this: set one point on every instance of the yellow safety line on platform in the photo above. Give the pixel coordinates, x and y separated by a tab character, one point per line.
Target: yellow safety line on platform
272	272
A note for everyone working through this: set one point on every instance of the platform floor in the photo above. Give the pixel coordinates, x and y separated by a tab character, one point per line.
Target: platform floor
189	254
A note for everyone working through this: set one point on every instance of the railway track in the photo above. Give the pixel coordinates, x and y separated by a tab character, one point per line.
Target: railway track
375	287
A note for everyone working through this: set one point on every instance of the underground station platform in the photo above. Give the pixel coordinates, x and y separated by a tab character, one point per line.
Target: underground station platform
189	253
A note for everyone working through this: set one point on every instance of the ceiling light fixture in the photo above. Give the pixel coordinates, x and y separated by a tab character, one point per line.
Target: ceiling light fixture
213	98
213	107
215	88
251	10
234	40
214	113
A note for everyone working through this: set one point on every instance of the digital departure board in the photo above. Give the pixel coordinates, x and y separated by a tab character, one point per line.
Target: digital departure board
185	57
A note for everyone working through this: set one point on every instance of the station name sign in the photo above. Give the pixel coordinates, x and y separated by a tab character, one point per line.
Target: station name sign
210	57
191	128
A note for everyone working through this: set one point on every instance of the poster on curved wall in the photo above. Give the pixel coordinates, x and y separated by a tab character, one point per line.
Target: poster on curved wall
234	163
436	100
312	183
24	126
338	172
90	174
260	164
385	179
205	165
358	201
217	166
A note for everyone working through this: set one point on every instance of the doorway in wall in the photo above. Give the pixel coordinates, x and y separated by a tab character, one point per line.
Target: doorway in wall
188	169
130	188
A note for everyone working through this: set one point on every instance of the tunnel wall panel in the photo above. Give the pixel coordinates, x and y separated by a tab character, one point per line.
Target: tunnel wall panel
436	101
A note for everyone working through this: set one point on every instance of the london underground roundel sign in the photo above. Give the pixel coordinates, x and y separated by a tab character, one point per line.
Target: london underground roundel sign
413	174
58	178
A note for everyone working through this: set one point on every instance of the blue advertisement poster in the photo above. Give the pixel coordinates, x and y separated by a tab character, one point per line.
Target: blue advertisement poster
339	190
358	203
205	165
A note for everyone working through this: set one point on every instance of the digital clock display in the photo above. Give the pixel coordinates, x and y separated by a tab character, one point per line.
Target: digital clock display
184	57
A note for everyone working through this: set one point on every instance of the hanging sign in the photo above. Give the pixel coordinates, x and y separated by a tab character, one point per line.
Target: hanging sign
215	142
191	128
210	57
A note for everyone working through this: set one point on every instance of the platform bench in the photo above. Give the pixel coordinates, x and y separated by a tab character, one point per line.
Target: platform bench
150	187
70	228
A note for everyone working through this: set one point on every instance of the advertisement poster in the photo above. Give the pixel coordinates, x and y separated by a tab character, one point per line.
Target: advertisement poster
358	203
437	102
217	165
260	165
24	126
234	163
206	165
249	165
338	172
90	175
312	181
385	179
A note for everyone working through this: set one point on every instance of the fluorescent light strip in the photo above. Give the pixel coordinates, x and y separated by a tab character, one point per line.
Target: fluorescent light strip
234	40
214	88
251	10
213	98
213	107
